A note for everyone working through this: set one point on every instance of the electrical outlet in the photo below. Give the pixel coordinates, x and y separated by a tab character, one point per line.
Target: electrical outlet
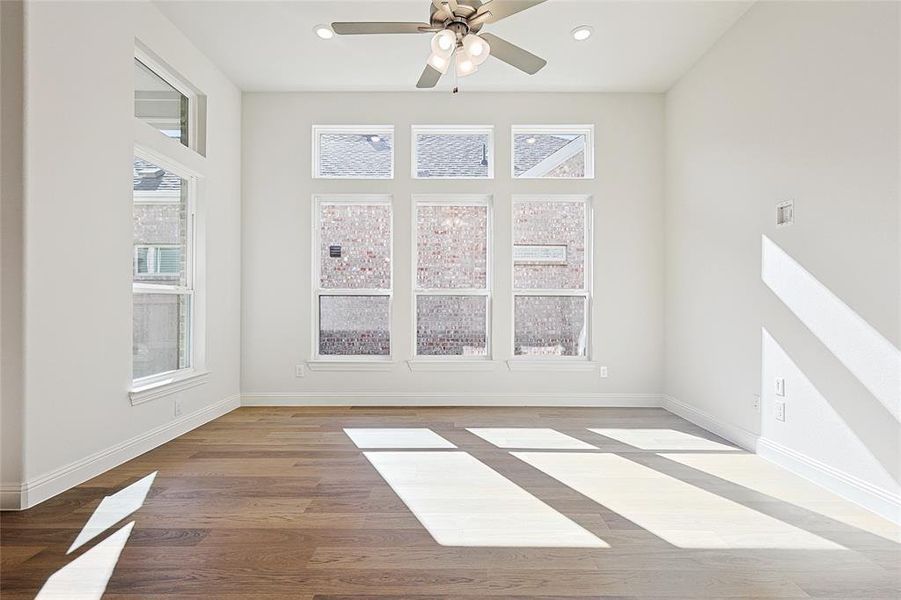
780	386
178	408
780	411
756	402
299	371
604	372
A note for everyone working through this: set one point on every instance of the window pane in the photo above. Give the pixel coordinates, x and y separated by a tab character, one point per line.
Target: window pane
160	225
449	155
549	326
161	338
549	245
452	247
159	104
364	155
354	326
549	155
451	325
355	246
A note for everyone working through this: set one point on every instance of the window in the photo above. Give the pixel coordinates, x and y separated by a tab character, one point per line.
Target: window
453	152
553	152
353	152
163	215
452	280
551	283
352	265
160	104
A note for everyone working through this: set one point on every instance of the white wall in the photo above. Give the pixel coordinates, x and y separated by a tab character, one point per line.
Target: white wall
798	101
79	137
11	258
628	282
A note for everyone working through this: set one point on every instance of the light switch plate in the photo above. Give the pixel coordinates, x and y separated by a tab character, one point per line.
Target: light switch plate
780	411
604	371
300	370
780	386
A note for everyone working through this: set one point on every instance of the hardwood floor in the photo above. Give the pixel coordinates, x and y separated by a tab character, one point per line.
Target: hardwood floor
272	503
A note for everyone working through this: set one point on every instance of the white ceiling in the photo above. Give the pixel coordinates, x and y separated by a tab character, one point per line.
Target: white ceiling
637	46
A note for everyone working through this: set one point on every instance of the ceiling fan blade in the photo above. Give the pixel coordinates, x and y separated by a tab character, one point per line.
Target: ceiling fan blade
501	9
429	77
361	28
513	55
479	19
446	6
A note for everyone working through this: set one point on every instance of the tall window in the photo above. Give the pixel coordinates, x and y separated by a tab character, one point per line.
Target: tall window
551	276
452	280
353	273
163	273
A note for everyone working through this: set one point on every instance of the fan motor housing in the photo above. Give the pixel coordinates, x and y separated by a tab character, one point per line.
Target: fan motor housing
465	10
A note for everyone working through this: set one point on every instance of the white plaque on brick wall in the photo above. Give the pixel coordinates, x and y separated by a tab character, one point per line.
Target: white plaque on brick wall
539	254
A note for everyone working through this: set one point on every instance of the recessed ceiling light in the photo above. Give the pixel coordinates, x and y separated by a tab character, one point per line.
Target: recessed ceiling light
582	33
324	31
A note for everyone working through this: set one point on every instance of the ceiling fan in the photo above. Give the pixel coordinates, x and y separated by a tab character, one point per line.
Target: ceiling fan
457	25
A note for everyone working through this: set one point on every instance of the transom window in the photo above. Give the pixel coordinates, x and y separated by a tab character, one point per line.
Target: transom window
553	152
551	282
453	152
352	262
159	103
452	279
353	152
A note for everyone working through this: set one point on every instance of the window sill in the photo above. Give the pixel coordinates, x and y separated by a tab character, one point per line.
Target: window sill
158	389
350	365
549	364
451	365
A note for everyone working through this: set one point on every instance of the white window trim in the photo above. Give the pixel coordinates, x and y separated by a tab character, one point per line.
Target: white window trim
451	130
586	130
158	385
487	201
550	362
170	76
318	130
355	362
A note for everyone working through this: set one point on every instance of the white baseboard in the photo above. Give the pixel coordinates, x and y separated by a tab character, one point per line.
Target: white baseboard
881	501
35	491
873	498
737	435
459	399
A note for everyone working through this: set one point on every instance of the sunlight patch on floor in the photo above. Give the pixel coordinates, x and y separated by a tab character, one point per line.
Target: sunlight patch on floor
85	578
113	509
680	513
463	502
532	438
662	439
760	475
407	437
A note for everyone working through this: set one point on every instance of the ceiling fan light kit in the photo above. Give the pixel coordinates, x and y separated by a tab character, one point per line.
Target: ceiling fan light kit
457	25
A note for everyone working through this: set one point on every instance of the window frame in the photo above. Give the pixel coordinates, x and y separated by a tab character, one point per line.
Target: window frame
486	200
587	130
167	74
584	292
451	130
318	130
195	328
317	290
